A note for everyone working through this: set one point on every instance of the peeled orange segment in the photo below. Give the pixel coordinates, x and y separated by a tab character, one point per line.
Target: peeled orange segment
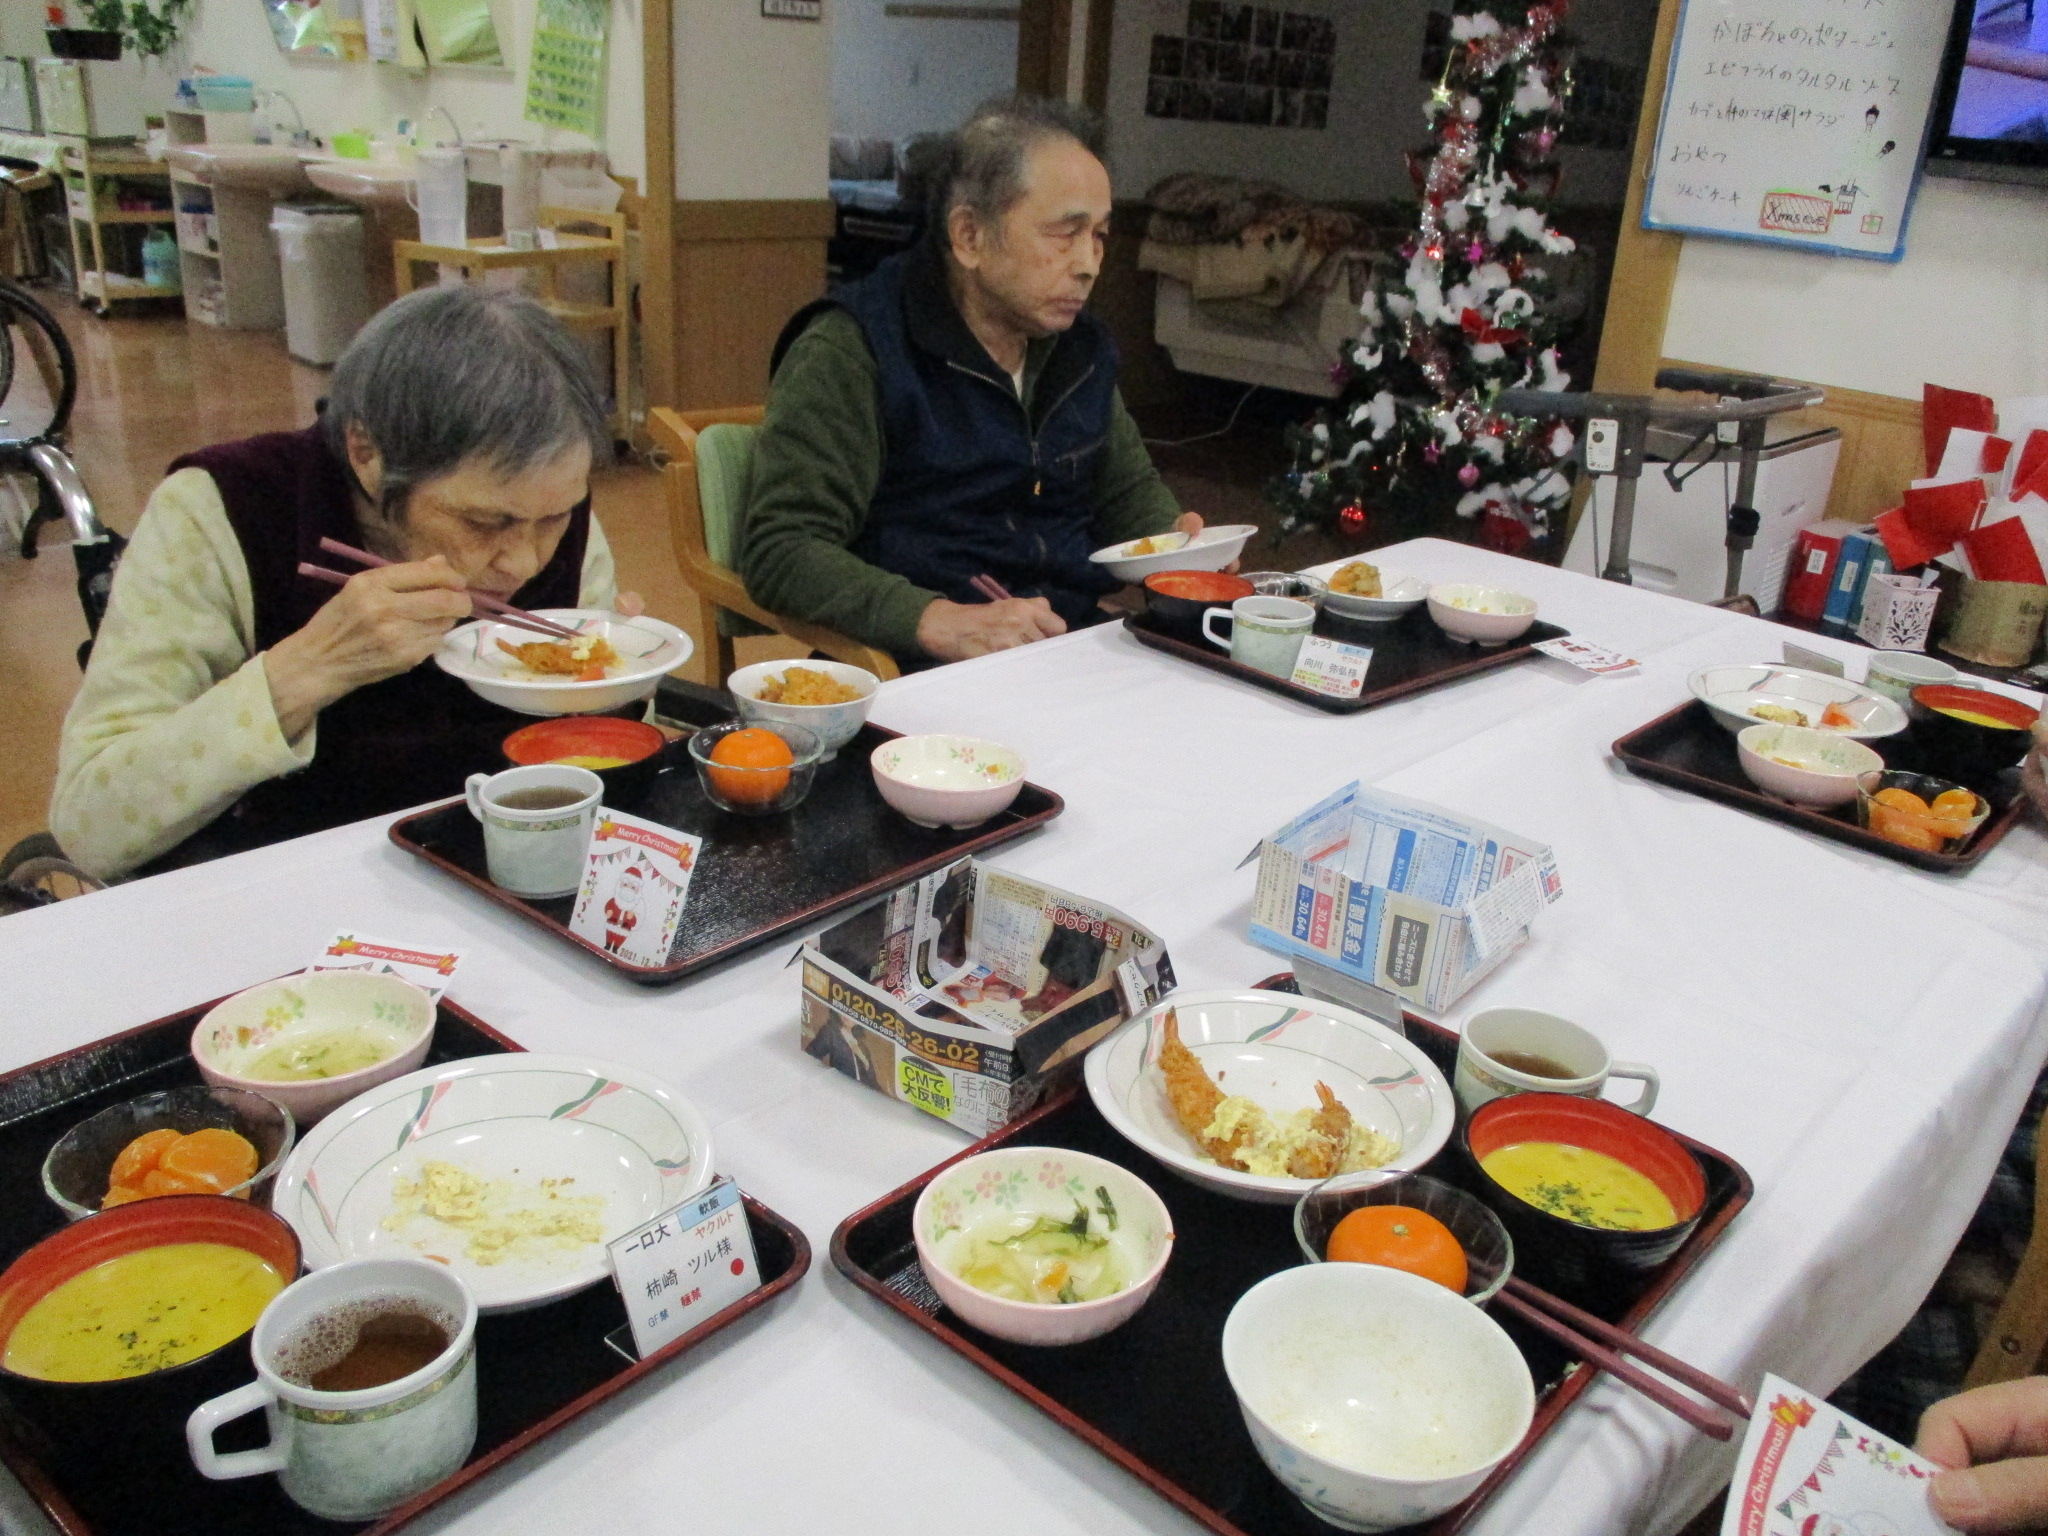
1836	718
1908	829
218	1159
1901	800
121	1194
1952	804
141	1155
157	1182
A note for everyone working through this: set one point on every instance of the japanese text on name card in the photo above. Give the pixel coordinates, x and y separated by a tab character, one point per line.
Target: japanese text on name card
685	1266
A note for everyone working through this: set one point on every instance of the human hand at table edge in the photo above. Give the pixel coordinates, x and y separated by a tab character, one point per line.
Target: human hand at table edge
2033	775
1994	1440
952	631
383	622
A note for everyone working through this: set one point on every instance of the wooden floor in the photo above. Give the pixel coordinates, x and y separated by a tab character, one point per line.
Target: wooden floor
151	389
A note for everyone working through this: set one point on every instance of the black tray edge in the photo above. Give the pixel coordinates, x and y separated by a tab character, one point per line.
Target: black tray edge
401	834
1549	1408
1628	750
1487	661
50	1498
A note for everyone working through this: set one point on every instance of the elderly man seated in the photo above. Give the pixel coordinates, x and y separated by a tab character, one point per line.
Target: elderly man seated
956	415
231	701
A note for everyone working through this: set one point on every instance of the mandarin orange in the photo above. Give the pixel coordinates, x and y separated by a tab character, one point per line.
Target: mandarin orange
1400	1237
756	764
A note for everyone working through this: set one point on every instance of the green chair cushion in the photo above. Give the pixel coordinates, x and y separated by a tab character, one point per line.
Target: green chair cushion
725	475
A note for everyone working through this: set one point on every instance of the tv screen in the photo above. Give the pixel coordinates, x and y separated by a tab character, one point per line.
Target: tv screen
1990	118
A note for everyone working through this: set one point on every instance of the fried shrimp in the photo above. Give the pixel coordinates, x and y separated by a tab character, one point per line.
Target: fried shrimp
1194	1096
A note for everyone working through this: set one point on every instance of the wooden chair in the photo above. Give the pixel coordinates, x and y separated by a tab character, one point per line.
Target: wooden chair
2019	1334
709	455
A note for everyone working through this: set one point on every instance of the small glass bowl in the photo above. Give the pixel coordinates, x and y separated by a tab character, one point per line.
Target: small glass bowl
1489	1251
75	1174
1299	585
1908	828
756	791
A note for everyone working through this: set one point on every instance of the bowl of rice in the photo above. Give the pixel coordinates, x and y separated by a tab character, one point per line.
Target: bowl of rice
829	698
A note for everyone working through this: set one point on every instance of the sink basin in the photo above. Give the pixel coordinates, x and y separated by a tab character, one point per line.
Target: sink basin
273	170
380	183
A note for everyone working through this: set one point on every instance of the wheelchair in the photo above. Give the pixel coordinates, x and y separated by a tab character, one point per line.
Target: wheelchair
38	387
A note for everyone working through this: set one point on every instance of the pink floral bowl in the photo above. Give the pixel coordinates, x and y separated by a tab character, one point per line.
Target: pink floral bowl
947	781
986	1202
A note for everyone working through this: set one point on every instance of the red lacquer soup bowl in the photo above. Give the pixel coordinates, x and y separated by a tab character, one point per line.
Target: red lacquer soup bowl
1564	1254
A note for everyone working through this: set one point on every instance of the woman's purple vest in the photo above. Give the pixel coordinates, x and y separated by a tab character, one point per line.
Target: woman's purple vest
410	738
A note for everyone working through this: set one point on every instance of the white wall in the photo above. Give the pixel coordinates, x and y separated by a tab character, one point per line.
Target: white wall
1967	307
893	76
753	101
233	38
1376	105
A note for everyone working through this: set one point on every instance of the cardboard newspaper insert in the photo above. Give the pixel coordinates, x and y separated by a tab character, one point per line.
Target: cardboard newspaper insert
965	992
1399	894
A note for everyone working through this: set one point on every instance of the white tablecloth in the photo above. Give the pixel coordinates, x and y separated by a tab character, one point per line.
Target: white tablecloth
1859	1034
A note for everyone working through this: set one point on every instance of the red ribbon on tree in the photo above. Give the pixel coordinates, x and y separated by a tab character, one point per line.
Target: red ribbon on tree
1480	333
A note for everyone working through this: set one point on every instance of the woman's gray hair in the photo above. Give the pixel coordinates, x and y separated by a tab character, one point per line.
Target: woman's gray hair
452	374
982	168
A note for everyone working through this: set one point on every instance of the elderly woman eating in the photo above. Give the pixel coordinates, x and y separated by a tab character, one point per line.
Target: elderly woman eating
230	701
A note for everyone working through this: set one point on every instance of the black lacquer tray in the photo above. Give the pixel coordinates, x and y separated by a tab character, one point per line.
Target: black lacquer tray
757	877
1152	1396
1409	655
1689	749
536	1370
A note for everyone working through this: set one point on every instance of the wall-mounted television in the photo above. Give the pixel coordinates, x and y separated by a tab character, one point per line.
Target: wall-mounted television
1990	120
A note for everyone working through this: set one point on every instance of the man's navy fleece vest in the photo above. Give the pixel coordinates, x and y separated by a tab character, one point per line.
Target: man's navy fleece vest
389	744
970	485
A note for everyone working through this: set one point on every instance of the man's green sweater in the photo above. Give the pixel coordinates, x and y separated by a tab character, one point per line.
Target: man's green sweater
818	459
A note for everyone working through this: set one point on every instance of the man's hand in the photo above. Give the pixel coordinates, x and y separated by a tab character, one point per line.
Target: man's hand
956	631
1191	524
1996	1440
384	622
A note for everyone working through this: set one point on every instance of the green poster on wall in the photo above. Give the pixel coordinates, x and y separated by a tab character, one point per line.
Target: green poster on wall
565	79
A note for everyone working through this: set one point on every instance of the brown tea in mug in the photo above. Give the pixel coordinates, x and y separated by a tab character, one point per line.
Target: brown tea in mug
1529	1064
542	797
363	1344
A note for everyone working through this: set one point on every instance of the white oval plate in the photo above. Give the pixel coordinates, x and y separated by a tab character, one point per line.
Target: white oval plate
1730	691
1273	1048
520	1116
1210	550
1398	595
648	649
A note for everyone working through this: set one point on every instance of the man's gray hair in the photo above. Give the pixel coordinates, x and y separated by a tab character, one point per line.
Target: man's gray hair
983	167
452	374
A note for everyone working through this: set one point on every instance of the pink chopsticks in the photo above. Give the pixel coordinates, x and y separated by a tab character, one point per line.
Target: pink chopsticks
504	611
989	588
1563	1322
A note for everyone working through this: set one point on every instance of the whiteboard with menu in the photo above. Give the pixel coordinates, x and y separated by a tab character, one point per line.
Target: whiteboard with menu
1797	122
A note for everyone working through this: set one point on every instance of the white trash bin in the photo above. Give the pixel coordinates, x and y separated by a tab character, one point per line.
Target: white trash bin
326	297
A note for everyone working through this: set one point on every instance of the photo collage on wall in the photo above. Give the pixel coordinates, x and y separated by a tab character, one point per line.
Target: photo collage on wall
1244	64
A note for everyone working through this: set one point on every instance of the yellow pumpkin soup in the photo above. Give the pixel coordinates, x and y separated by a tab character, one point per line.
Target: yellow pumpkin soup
142	1312
1975	718
1580	1185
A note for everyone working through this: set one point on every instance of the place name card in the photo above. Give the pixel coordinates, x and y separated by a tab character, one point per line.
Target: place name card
1331	668
1587	657
636	877
425	967
1808	1467
684	1266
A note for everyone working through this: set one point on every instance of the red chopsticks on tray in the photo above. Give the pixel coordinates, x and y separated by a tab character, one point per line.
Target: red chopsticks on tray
503	611
1602	1344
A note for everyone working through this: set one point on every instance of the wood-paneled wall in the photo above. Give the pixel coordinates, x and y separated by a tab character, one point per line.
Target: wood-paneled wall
741	269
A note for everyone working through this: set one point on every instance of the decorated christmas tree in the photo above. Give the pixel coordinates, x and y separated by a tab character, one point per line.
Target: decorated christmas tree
1464	316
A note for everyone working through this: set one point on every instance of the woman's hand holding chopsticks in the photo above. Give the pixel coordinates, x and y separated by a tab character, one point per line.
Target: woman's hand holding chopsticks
380	623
